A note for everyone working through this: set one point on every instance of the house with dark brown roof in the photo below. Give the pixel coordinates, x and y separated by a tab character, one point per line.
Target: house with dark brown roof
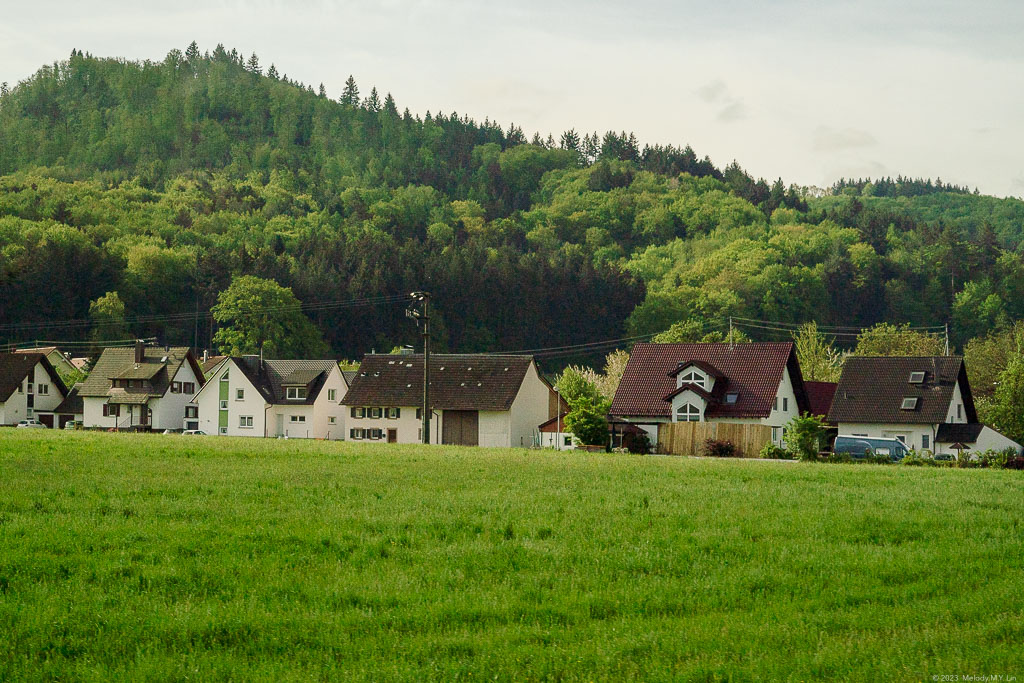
755	383
924	401
296	399
819	396
140	387
60	362
30	388
476	399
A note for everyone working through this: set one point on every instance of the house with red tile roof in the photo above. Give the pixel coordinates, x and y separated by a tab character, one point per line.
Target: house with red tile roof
755	383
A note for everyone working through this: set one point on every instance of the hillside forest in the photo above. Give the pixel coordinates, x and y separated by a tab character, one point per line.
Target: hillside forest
142	190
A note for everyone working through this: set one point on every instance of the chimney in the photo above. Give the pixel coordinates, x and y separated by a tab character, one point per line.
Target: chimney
206	355
140	351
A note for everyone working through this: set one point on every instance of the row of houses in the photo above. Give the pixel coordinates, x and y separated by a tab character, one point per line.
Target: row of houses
925	402
496	400
477	399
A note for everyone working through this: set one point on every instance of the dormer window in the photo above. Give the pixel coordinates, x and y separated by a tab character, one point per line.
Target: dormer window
688	413
909	403
917	378
296	393
692	377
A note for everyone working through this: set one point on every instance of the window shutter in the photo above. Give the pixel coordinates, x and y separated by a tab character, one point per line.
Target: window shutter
352	432
398	412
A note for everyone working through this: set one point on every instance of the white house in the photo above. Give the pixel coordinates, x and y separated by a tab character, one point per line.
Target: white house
247	396
756	383
476	400
925	402
30	388
140	388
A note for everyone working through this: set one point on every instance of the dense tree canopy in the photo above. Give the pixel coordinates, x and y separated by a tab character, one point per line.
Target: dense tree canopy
165	181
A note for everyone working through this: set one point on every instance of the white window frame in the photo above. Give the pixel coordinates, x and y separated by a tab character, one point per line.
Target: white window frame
693	377
297	419
296	393
332	394
375	413
332	420
245	421
239	394
688	412
393	413
224	404
360	413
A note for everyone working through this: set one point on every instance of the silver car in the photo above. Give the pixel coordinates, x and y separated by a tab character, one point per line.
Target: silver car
31	424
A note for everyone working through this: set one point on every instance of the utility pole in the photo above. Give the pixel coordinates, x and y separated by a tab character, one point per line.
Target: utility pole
947	338
422	314
730	331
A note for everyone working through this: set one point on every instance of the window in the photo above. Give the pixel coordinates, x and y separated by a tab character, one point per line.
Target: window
21	389
30	387
296	393
111	410
693	377
298	418
223	430
568	440
925	442
191	411
332	394
357	433
359	413
731	397
332	420
239	394
374	434
959	411
188	387
419	413
917	378
775	434
909	403
785	404
175	387
245	421
375	413
224	377
688	413
43	389
394	413
902	439
224	405
776	406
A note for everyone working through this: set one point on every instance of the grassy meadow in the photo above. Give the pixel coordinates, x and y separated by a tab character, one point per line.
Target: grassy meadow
157	557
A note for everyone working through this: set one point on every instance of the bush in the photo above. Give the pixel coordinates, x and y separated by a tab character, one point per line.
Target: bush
714	448
1015	463
834	457
641	443
771	451
804	435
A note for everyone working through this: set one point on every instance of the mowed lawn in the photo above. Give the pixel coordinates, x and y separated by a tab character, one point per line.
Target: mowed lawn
166	557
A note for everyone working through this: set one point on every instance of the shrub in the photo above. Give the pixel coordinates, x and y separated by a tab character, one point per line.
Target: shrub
804	435
641	443
835	457
719	449
771	451
1015	463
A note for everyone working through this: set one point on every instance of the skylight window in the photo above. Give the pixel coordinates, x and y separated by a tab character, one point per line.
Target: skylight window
917	378
909	403
732	397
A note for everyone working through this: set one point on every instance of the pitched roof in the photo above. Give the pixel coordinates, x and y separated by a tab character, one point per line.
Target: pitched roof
964	433
72	403
272	377
754	371
457	381
819	396
115	361
15	367
872	388
211	362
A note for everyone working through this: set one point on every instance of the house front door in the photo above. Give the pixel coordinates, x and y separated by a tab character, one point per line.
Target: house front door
392	436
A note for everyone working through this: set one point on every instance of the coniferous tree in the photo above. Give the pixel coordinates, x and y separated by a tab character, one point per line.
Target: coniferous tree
192	52
389	105
372	102
272	72
253	65
571	140
350	95
323	91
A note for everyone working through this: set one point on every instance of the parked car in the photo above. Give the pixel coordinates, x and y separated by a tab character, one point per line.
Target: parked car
31	424
860	446
194	432
73	424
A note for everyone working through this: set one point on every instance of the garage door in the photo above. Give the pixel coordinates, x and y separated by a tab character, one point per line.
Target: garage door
64	419
460	428
46	420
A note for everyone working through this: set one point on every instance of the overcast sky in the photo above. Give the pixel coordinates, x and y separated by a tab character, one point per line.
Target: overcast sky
809	91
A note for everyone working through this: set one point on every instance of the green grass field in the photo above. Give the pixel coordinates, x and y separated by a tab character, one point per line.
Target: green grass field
171	558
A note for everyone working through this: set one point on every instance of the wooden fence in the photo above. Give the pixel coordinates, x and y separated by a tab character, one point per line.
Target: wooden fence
687	438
